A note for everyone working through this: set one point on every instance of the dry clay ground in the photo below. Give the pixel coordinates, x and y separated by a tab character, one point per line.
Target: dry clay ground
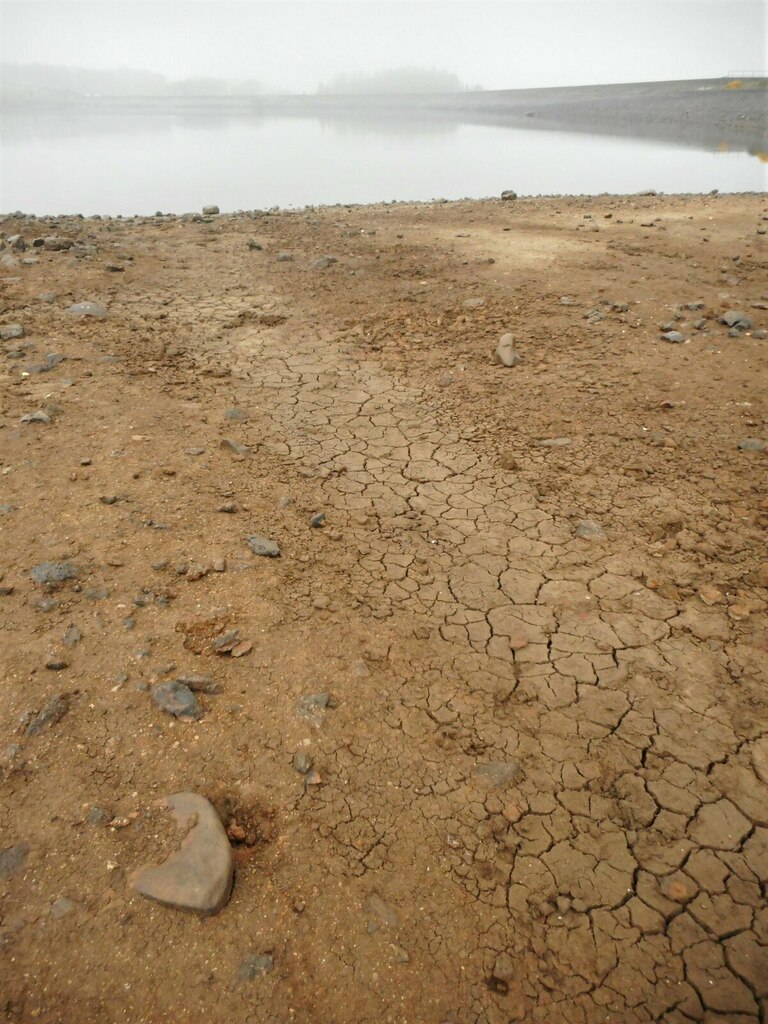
540	780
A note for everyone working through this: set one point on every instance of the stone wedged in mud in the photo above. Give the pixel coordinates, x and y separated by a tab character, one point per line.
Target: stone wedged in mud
198	876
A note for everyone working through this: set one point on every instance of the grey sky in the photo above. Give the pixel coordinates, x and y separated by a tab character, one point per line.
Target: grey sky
295	45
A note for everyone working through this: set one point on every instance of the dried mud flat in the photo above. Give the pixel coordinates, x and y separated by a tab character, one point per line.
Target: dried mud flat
533	753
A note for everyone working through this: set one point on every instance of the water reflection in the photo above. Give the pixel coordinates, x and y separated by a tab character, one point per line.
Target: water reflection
137	162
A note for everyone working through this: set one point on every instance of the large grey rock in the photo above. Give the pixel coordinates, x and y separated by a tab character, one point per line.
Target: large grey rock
198	875
735	318
673	337
9	331
752	444
264	547
508	194
88	309
506	353
210	211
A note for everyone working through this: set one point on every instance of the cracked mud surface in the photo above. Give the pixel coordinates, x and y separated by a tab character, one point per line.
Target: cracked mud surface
542	775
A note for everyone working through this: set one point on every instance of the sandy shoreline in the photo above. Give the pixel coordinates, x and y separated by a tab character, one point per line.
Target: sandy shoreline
524	654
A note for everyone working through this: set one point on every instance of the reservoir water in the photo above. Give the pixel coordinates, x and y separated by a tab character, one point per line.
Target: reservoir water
137	164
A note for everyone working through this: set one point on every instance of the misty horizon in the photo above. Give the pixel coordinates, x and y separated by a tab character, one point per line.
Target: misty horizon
304	47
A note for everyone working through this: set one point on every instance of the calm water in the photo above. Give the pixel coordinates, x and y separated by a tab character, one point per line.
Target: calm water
138	164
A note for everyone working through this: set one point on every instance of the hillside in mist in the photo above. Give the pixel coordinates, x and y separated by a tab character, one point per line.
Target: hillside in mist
392	82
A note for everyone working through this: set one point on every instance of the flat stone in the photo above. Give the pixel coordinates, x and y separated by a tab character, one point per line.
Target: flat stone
51	713
752	444
505	353
61	907
674	337
500	773
234	446
51	573
302	762
254	966
313	705
177	699
473	303
317	520
590	530
264	547
238	415
555	442
88	309
199	684
36	417
198	876
13	860
9	331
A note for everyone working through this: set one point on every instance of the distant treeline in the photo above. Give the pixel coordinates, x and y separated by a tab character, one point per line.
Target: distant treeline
397	80
46	83
43	81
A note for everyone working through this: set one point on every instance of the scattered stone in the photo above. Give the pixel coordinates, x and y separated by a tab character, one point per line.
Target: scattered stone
284	257
302	762
177	699
218	565
752	444
673	337
10	331
264	547
200	684
13	860
53	243
323	262
567	300
594	316
94	309
590	530
196	571
234	446
210	211
762	334
285	502
735	318
253	245
313	778
508	194
317	520
53	573
244	647
51	713
61	907
555	442
505	353
225	643
473	303
500	773
55	661
98	816
194	451
314	705
36	417
198	876
254	966
238	415
228	506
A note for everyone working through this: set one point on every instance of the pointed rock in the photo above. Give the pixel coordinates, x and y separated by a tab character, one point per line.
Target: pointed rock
198	876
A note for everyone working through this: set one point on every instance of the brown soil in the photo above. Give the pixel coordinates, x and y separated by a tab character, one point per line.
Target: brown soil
540	786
